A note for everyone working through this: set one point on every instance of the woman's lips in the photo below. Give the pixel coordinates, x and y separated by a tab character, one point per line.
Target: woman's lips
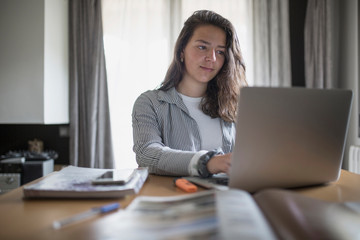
207	69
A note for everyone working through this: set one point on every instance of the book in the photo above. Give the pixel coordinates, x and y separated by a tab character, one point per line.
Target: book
234	214
76	182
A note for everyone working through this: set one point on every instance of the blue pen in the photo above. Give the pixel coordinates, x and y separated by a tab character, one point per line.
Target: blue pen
85	215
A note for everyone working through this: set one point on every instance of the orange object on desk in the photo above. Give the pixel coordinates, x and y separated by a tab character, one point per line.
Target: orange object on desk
185	185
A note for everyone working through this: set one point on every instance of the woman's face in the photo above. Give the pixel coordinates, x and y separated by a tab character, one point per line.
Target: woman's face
204	54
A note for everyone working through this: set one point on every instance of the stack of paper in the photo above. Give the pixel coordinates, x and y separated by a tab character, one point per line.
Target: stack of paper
76	182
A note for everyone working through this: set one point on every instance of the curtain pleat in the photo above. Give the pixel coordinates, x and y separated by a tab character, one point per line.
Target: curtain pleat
90	130
271	36
321	38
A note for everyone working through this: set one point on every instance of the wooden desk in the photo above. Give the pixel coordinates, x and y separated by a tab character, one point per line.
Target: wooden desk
32	219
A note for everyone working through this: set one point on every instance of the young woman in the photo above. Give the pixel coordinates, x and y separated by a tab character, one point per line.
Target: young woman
186	127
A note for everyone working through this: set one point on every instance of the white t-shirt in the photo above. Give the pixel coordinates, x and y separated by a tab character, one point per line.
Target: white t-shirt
210	130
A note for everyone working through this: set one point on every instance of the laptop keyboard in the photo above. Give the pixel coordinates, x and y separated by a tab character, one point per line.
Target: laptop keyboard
221	181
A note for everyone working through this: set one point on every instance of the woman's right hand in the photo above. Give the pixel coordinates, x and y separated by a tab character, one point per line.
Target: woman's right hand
219	164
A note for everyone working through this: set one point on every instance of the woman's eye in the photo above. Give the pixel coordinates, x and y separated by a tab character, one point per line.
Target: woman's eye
221	52
202	47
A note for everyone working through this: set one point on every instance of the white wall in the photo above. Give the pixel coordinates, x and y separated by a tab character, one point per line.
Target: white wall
21	58
56	64
349	66
34	62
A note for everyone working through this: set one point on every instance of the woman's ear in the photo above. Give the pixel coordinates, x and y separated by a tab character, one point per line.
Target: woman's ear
182	56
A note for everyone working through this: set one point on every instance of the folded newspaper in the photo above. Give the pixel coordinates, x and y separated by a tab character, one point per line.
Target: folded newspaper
77	182
229	214
233	214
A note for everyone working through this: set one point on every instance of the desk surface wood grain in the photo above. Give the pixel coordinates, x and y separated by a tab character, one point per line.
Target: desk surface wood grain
32	218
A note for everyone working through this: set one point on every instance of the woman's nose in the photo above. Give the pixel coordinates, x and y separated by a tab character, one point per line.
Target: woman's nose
211	55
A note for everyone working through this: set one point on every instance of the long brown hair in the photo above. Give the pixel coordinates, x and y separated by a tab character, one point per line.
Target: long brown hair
223	90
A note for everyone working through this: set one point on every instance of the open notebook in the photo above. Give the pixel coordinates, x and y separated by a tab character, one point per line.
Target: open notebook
287	137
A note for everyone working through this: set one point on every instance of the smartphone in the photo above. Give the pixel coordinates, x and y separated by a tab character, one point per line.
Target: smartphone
115	177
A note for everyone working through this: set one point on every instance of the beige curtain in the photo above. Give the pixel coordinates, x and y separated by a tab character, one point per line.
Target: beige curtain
90	133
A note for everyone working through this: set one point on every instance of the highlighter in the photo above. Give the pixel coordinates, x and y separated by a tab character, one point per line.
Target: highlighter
185	185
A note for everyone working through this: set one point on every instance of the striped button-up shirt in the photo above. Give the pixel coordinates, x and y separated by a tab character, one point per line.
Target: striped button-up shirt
166	137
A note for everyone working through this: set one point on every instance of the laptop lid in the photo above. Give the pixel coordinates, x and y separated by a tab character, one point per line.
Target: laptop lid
289	137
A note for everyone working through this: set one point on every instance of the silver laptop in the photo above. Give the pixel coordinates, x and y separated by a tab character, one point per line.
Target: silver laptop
288	137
